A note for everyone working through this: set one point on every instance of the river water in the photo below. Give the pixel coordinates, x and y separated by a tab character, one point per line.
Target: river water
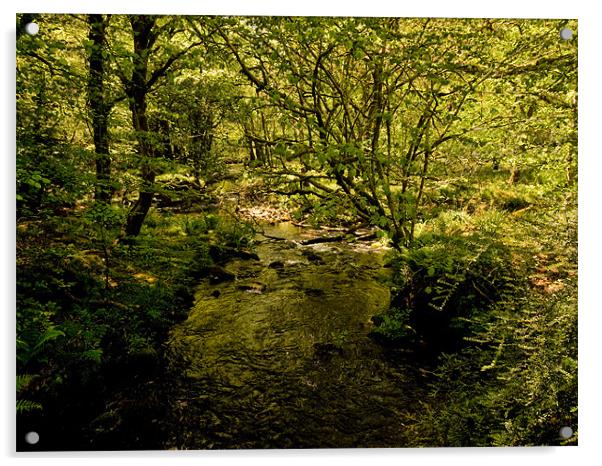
281	357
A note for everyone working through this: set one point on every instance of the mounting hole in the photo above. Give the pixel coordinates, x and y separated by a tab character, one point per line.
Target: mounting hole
566	432
32	29
566	34
32	437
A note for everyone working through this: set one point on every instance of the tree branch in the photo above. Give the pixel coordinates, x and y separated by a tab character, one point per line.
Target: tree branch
159	72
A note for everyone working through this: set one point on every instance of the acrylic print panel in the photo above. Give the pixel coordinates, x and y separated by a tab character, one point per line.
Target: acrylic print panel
295	232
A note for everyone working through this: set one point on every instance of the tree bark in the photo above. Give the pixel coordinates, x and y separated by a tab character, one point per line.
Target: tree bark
99	108
137	89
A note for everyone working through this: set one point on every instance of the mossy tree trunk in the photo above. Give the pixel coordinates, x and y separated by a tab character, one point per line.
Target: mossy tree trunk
99	107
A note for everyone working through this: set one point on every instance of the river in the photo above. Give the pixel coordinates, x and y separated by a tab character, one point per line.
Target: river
281	356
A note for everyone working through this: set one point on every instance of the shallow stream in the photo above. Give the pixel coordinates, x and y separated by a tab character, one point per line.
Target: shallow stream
280	357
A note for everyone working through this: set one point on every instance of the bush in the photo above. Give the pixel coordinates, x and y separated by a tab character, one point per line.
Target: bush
509	299
236	233
194	226
510	199
515	385
92	317
393	327
441	284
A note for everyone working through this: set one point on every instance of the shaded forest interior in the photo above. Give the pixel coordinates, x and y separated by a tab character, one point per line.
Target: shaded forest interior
153	152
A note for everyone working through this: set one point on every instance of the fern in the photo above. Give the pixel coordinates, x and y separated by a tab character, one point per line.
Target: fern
28	352
449	283
25	406
23	381
50	334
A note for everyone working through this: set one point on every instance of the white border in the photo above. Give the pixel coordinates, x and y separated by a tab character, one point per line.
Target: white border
590	210
439	8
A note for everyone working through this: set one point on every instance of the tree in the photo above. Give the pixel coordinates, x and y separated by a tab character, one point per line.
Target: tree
51	164
138	84
373	104
100	108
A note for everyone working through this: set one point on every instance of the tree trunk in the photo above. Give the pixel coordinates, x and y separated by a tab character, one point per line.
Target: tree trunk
141	207
252	156
138	213
137	91
137	88
514	176
99	108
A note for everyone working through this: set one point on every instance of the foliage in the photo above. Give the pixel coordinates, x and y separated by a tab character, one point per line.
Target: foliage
237	234
393	326
517	383
79	320
383	108
24	406
441	284
513	378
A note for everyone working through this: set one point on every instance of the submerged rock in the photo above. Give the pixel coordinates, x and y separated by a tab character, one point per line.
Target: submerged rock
325	351
314	292
218	275
312	257
221	254
276	265
257	288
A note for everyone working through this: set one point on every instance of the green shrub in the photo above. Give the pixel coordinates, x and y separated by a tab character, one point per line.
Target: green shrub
194	226
235	233
442	283
517	382
510	198
393	326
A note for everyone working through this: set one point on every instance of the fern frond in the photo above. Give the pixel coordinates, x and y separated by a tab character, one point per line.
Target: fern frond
23	381
24	406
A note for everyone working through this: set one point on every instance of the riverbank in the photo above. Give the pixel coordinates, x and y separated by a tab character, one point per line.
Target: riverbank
102	347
